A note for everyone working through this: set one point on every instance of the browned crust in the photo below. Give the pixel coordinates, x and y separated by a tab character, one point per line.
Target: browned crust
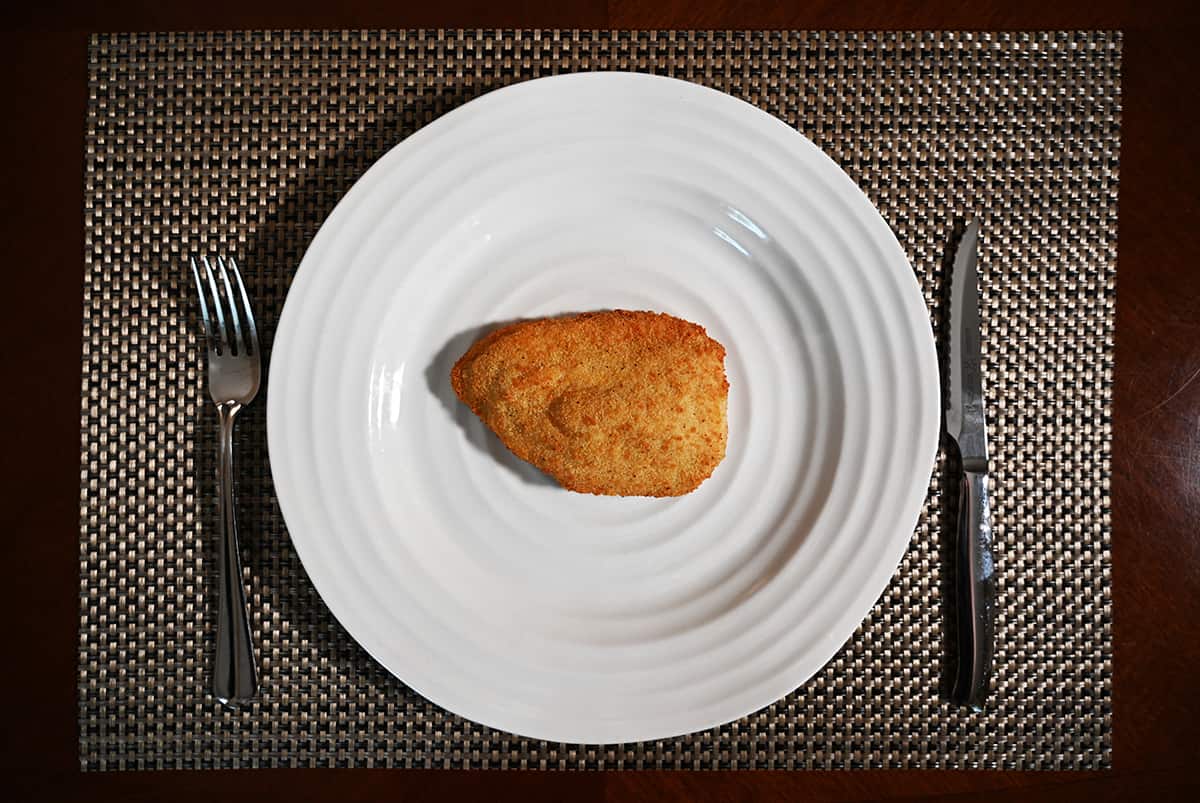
617	402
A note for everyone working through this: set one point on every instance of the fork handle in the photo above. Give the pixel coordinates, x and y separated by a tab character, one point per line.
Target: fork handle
235	677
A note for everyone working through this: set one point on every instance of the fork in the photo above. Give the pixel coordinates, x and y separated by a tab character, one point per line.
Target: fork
233	378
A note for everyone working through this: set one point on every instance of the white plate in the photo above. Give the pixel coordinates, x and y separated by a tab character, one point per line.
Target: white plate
497	594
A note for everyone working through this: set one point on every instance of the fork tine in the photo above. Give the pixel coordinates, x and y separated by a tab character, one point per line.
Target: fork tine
208	333
252	343
239	345
223	341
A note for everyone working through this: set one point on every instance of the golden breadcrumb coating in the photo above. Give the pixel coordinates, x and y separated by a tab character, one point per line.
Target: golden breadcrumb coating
616	403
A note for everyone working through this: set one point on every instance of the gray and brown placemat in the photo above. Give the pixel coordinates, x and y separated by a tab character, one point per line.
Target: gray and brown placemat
242	143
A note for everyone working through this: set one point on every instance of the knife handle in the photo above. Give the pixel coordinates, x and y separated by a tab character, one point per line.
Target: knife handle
975	603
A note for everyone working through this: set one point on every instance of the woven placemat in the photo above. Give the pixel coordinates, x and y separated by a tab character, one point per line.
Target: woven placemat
243	142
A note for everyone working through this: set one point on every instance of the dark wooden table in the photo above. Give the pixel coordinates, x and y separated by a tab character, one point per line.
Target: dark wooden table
1156	415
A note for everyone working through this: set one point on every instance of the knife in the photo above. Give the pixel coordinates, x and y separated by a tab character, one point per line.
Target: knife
965	424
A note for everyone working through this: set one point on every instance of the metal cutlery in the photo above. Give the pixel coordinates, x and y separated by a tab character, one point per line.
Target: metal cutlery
234	370
966	426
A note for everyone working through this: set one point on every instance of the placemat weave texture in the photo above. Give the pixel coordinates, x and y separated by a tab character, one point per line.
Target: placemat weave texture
242	143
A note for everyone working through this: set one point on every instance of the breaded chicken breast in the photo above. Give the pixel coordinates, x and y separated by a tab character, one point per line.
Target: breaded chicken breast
616	403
